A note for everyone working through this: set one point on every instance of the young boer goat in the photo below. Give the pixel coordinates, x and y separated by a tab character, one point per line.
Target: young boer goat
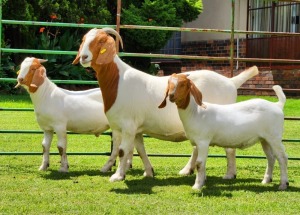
58	110
238	125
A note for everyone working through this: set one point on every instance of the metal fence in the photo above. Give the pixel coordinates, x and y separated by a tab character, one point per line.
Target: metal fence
118	26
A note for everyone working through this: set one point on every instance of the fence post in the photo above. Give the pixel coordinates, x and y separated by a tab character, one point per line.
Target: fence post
119	6
0	29
232	37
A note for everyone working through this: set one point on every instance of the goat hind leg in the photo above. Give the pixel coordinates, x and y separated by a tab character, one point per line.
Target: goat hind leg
279	151
190	166
62	149
140	147
271	161
231	164
116	140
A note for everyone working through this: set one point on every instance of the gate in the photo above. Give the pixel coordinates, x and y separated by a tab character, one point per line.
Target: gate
118	26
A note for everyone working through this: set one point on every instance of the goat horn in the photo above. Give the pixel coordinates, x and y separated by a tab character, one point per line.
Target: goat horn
18	84
114	32
42	60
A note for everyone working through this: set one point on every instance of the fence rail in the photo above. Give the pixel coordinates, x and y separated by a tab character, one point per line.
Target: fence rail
230	59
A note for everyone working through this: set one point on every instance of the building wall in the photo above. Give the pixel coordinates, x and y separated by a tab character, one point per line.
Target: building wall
217	15
287	78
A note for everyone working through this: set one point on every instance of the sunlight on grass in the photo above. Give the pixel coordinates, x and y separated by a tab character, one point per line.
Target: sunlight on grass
84	190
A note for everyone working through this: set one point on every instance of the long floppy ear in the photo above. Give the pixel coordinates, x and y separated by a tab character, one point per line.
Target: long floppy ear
164	102
107	52
76	60
197	95
37	80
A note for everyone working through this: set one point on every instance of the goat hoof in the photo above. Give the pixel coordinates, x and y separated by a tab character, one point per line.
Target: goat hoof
283	186
267	180
105	169
185	172
151	174
197	186
63	170
116	177
43	167
229	176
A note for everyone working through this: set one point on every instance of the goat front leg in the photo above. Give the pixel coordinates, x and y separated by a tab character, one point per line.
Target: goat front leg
202	147
48	135
125	151
116	138
231	164
62	149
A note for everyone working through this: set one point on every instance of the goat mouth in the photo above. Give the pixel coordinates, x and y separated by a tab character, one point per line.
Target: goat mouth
172	99
85	63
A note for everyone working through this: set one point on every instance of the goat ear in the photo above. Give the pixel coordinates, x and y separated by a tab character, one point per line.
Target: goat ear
37	80
164	102
77	58
107	52
197	95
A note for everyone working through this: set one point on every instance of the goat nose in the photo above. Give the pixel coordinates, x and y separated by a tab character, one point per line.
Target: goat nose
171	96
20	79
84	57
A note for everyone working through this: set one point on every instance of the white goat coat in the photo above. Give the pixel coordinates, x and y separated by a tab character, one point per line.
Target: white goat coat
238	125
139	95
59	109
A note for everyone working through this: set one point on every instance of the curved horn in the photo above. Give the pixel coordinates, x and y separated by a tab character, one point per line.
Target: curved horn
42	60
113	32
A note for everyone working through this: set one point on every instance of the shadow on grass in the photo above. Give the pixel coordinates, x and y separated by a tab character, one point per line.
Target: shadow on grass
56	175
214	186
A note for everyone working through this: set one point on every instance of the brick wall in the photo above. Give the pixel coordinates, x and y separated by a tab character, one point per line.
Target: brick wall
289	79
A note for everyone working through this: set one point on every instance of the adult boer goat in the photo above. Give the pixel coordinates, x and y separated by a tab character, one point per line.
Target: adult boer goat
238	125
59	110
131	98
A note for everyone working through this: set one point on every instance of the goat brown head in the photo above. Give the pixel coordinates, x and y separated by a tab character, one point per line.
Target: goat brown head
179	89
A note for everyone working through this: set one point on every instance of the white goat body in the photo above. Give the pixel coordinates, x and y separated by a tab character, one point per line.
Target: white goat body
59	110
131	98
238	125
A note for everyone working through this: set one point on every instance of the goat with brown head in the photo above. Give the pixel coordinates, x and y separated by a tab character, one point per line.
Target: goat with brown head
99	47
179	89
32	74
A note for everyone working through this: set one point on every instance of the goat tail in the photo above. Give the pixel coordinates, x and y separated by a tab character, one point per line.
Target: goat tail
240	79
281	97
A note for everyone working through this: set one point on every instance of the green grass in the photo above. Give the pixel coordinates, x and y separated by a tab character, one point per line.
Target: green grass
84	190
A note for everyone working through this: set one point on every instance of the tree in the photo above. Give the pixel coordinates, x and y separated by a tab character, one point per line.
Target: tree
141	12
153	13
49	38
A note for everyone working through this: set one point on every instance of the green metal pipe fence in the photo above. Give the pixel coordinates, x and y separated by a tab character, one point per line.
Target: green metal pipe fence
230	59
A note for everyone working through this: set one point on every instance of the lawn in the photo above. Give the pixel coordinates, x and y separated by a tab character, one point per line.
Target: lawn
84	190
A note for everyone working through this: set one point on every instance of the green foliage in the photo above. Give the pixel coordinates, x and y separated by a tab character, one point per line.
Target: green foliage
60	66
146	12
72	11
154	13
7	70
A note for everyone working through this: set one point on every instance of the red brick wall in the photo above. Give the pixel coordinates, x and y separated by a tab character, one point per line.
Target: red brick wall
289	79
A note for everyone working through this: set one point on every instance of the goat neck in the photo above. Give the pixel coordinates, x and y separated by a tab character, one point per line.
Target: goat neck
108	79
184	102
43	91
